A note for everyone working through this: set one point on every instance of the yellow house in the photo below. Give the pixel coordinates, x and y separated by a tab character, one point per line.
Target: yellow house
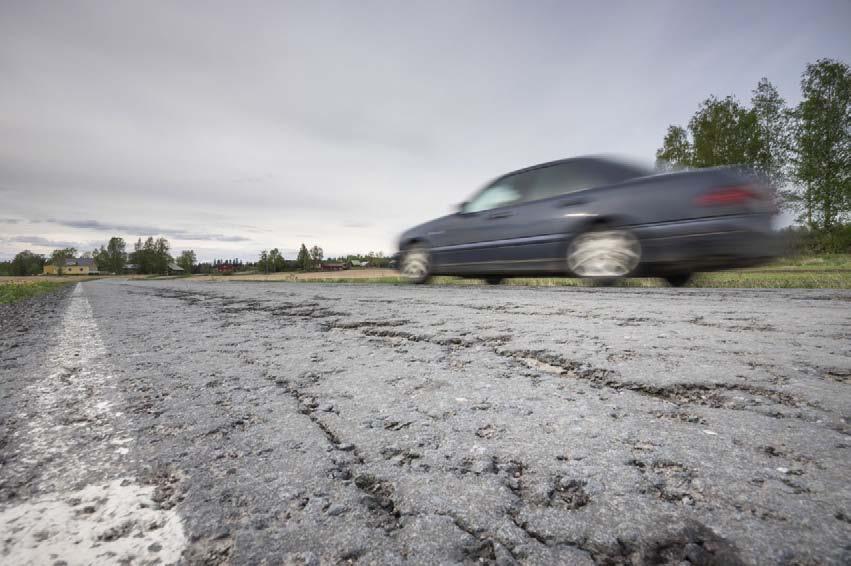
73	266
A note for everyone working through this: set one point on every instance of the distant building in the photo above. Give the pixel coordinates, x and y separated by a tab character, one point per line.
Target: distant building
74	266
228	266
334	266
174	269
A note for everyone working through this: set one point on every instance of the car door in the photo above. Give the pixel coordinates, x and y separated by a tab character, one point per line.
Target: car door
558	201
476	238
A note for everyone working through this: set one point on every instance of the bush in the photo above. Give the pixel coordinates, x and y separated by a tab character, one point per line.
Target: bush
803	241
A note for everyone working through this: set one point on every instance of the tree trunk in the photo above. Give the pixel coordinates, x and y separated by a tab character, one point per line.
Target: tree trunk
808	199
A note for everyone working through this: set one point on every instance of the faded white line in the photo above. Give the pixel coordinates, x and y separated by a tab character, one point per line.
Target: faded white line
88	513
114	523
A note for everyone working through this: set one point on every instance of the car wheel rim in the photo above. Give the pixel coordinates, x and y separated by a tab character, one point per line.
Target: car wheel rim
610	253
415	264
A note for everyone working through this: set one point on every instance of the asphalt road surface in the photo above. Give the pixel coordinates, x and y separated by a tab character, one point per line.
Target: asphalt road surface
152	422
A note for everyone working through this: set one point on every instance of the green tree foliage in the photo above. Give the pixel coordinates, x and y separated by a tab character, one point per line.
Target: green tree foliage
161	255
59	258
271	261
152	256
724	133
116	255
113	257
316	255
675	150
100	258
137	256
263	262
187	260
276	261
823	144
804	152
721	132
803	240
774	124
205	268
303	260
26	263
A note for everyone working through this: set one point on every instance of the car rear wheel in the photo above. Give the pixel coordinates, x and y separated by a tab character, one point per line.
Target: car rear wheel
416	264
604	254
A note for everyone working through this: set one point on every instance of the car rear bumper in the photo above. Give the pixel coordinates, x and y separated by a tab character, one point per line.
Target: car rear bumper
709	243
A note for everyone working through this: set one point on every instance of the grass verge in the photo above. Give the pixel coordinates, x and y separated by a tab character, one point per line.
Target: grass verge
724	279
20	290
822	272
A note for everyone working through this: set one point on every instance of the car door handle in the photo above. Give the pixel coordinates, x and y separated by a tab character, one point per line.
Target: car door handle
572	202
504	214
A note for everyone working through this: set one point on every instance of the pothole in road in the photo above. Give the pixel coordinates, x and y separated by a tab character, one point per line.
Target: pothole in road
536	364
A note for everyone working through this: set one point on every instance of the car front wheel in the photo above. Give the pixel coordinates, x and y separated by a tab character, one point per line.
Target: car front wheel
416	264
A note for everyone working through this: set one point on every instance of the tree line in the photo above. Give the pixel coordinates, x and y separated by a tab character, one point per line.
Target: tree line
153	256
804	150
310	259
150	257
272	261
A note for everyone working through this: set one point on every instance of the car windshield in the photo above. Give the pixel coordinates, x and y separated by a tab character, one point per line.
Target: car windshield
497	195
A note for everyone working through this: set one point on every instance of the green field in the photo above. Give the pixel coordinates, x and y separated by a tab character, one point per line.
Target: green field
11	292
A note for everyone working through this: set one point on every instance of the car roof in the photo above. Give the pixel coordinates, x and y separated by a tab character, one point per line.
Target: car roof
546	164
599	160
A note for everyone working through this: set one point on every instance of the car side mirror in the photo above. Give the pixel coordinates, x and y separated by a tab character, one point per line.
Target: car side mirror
460	207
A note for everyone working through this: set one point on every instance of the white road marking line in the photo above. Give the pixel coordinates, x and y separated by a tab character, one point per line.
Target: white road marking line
103	523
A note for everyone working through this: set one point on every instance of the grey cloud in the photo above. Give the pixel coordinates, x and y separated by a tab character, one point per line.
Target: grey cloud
357	225
39	241
146	230
211	237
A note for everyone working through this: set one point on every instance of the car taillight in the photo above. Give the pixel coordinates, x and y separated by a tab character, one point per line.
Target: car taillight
728	195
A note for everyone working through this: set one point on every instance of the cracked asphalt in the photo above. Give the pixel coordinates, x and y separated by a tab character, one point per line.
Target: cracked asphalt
150	422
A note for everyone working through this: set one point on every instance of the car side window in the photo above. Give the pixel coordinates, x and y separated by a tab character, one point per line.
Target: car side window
502	193
564	178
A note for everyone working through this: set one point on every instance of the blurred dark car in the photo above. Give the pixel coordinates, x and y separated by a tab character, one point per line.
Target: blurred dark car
598	218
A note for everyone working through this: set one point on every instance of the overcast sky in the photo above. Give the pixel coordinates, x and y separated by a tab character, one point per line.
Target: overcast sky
238	126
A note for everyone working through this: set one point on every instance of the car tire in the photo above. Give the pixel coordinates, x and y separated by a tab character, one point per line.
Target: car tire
604	254
678	279
415	264
493	280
